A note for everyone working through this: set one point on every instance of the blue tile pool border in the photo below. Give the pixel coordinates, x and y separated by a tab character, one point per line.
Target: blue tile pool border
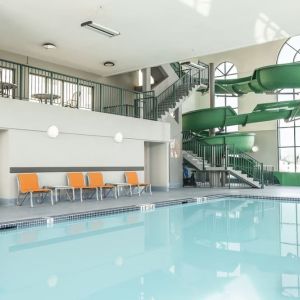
44	221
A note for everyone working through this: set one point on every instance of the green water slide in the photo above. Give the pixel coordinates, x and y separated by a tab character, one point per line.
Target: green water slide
263	80
200	121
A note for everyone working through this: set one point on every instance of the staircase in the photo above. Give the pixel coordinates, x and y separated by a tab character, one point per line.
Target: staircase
170	99
209	158
214	158
159	107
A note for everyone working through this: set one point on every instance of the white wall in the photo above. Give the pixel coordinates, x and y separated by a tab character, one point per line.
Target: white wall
266	139
159	165
247	60
168	81
85	139
176	173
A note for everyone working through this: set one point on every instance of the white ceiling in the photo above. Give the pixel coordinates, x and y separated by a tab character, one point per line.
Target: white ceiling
153	32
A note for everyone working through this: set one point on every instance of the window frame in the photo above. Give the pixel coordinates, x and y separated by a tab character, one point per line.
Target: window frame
225	75
294	96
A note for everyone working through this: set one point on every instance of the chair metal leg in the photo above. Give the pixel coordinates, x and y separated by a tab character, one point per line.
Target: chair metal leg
73	192
97	196
101	194
56	197
115	192
150	189
51	195
31	200
139	190
130	189
81	198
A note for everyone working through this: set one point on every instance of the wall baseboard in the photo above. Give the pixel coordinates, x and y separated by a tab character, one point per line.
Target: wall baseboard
160	188
8	202
176	185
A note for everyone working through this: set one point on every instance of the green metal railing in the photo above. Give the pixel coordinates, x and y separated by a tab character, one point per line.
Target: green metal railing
245	163
34	84
38	85
168	98
226	156
153	107
176	66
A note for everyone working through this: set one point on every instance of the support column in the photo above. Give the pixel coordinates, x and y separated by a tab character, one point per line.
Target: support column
145	88
215	177
212	91
146	79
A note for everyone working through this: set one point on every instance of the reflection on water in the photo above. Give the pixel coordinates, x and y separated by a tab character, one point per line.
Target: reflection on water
226	249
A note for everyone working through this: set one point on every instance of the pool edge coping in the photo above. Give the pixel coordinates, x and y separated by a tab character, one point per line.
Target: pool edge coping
55	219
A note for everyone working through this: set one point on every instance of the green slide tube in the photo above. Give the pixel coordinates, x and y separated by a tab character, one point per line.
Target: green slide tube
204	119
200	121
263	80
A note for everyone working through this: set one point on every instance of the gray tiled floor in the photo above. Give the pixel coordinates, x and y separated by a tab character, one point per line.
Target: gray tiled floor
12	213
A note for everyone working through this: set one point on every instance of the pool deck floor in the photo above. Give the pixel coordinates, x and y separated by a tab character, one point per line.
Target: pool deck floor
13	213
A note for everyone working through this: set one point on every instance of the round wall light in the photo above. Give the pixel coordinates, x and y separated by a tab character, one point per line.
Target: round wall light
53	132
118	137
49	46
255	149
109	64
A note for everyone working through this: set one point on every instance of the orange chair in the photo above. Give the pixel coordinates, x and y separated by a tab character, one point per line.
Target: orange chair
28	184
133	180
77	182
95	180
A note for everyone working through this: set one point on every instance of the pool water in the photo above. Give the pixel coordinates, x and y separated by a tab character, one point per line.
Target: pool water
226	249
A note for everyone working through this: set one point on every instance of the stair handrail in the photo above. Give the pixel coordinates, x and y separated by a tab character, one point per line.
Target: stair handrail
252	167
188	79
172	86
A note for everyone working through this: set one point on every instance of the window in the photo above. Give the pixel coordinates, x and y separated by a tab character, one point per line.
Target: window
227	70
6	75
289	133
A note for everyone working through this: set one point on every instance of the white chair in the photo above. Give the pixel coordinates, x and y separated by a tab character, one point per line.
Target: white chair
73	102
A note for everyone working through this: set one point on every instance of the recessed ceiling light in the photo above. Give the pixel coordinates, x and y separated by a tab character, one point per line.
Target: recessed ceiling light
109	64
49	46
100	29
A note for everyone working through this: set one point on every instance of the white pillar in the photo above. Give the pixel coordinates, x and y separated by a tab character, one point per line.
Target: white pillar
146	79
145	88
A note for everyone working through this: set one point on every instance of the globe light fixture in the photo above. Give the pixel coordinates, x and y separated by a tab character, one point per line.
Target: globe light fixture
118	137
255	149
53	132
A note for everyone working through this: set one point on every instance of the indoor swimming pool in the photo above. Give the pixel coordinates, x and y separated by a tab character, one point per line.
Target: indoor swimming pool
226	248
